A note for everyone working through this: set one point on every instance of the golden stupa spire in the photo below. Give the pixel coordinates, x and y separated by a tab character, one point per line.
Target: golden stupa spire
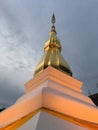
52	56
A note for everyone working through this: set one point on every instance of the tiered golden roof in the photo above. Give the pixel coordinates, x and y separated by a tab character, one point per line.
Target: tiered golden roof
52	56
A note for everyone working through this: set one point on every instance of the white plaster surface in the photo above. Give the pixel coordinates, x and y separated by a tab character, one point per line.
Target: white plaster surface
45	121
31	124
52	93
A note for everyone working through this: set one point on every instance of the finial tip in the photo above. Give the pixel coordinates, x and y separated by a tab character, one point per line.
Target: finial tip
53	20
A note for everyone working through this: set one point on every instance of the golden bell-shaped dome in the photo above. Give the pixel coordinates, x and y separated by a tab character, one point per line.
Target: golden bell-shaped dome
52	56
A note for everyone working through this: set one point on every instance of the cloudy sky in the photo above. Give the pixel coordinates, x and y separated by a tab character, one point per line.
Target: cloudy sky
24	28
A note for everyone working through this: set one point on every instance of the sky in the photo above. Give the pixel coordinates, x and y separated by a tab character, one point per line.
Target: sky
24	29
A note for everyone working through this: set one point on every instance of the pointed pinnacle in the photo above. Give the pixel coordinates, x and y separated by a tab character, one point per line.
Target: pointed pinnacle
53	20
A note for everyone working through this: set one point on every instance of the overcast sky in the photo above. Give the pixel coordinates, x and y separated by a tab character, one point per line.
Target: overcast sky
24	28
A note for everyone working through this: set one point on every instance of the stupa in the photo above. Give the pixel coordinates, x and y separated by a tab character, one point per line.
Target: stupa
53	98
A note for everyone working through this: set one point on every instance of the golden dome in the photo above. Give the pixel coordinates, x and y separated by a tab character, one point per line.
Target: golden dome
52	56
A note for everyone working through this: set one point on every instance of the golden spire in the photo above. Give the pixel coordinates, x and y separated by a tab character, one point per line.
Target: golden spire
52	56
